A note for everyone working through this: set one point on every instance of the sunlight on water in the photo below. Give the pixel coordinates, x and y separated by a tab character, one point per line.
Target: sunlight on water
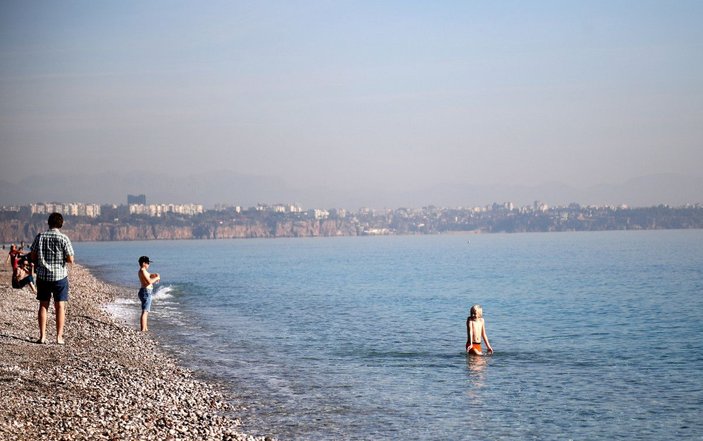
358	338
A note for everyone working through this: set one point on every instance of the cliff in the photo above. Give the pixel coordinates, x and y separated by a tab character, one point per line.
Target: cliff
16	231
22	227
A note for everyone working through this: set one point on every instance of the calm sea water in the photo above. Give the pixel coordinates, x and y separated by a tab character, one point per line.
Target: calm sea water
597	335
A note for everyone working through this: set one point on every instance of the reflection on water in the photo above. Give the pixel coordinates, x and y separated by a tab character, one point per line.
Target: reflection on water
476	393
476	369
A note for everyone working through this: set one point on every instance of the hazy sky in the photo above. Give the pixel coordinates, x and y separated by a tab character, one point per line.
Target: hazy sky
351	95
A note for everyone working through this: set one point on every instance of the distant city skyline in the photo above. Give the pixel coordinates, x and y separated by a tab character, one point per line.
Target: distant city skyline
352	103
106	222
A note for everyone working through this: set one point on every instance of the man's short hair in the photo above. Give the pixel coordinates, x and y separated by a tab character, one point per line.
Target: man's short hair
55	220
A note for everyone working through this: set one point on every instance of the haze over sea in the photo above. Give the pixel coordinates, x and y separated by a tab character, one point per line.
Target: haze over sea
597	335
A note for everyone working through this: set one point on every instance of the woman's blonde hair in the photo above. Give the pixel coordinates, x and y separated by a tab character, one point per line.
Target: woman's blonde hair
476	311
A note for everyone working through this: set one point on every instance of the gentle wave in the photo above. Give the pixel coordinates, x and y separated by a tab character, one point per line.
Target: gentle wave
163	292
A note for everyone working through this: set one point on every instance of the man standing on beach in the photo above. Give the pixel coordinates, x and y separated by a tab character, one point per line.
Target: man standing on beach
51	251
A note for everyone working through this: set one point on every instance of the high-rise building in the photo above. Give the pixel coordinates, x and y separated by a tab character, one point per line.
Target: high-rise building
137	200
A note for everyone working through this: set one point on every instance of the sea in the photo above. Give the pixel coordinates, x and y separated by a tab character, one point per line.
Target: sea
597	335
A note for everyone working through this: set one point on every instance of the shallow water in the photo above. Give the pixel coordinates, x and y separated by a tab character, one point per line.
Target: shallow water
597	335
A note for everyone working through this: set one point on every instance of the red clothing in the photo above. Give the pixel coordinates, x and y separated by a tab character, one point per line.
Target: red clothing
14	259
474	346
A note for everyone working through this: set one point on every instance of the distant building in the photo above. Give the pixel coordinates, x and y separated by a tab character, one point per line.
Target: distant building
136	200
540	206
319	214
158	210
225	207
338	213
68	209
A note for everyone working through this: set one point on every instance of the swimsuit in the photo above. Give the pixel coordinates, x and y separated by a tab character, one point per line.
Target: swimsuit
475	346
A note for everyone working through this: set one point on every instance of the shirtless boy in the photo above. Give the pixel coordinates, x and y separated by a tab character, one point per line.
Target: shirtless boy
146	291
475	331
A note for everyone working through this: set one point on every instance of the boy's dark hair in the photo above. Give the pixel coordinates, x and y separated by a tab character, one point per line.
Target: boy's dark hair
55	220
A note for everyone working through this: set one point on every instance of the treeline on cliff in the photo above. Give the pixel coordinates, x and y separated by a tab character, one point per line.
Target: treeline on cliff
18	227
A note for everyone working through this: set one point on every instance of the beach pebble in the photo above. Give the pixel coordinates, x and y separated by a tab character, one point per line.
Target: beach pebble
109	382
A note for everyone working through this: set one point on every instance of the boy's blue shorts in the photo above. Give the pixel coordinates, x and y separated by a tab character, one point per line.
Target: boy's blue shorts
145	295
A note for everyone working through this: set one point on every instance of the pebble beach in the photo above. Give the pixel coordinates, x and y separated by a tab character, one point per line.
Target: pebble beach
108	382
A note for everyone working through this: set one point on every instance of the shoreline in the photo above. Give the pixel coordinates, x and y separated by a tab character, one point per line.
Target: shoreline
108	382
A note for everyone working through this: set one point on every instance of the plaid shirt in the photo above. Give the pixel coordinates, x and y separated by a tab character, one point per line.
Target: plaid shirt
52	248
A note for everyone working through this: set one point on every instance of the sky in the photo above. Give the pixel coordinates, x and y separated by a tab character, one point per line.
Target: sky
354	97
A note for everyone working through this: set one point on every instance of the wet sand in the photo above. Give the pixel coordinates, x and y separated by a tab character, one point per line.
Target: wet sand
108	382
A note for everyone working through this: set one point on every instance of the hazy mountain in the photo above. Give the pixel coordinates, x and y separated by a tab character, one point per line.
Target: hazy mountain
226	187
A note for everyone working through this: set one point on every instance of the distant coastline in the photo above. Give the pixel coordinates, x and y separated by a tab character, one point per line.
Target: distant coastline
117	224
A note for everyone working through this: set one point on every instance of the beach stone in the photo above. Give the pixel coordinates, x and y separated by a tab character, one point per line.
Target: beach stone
109	382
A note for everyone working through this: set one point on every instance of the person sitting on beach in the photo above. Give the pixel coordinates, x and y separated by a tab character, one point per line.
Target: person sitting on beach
22	275
146	291
475	331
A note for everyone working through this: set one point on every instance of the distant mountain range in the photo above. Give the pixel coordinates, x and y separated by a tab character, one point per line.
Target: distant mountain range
231	188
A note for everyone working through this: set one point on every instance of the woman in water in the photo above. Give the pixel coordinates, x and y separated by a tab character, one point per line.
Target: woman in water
475	331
